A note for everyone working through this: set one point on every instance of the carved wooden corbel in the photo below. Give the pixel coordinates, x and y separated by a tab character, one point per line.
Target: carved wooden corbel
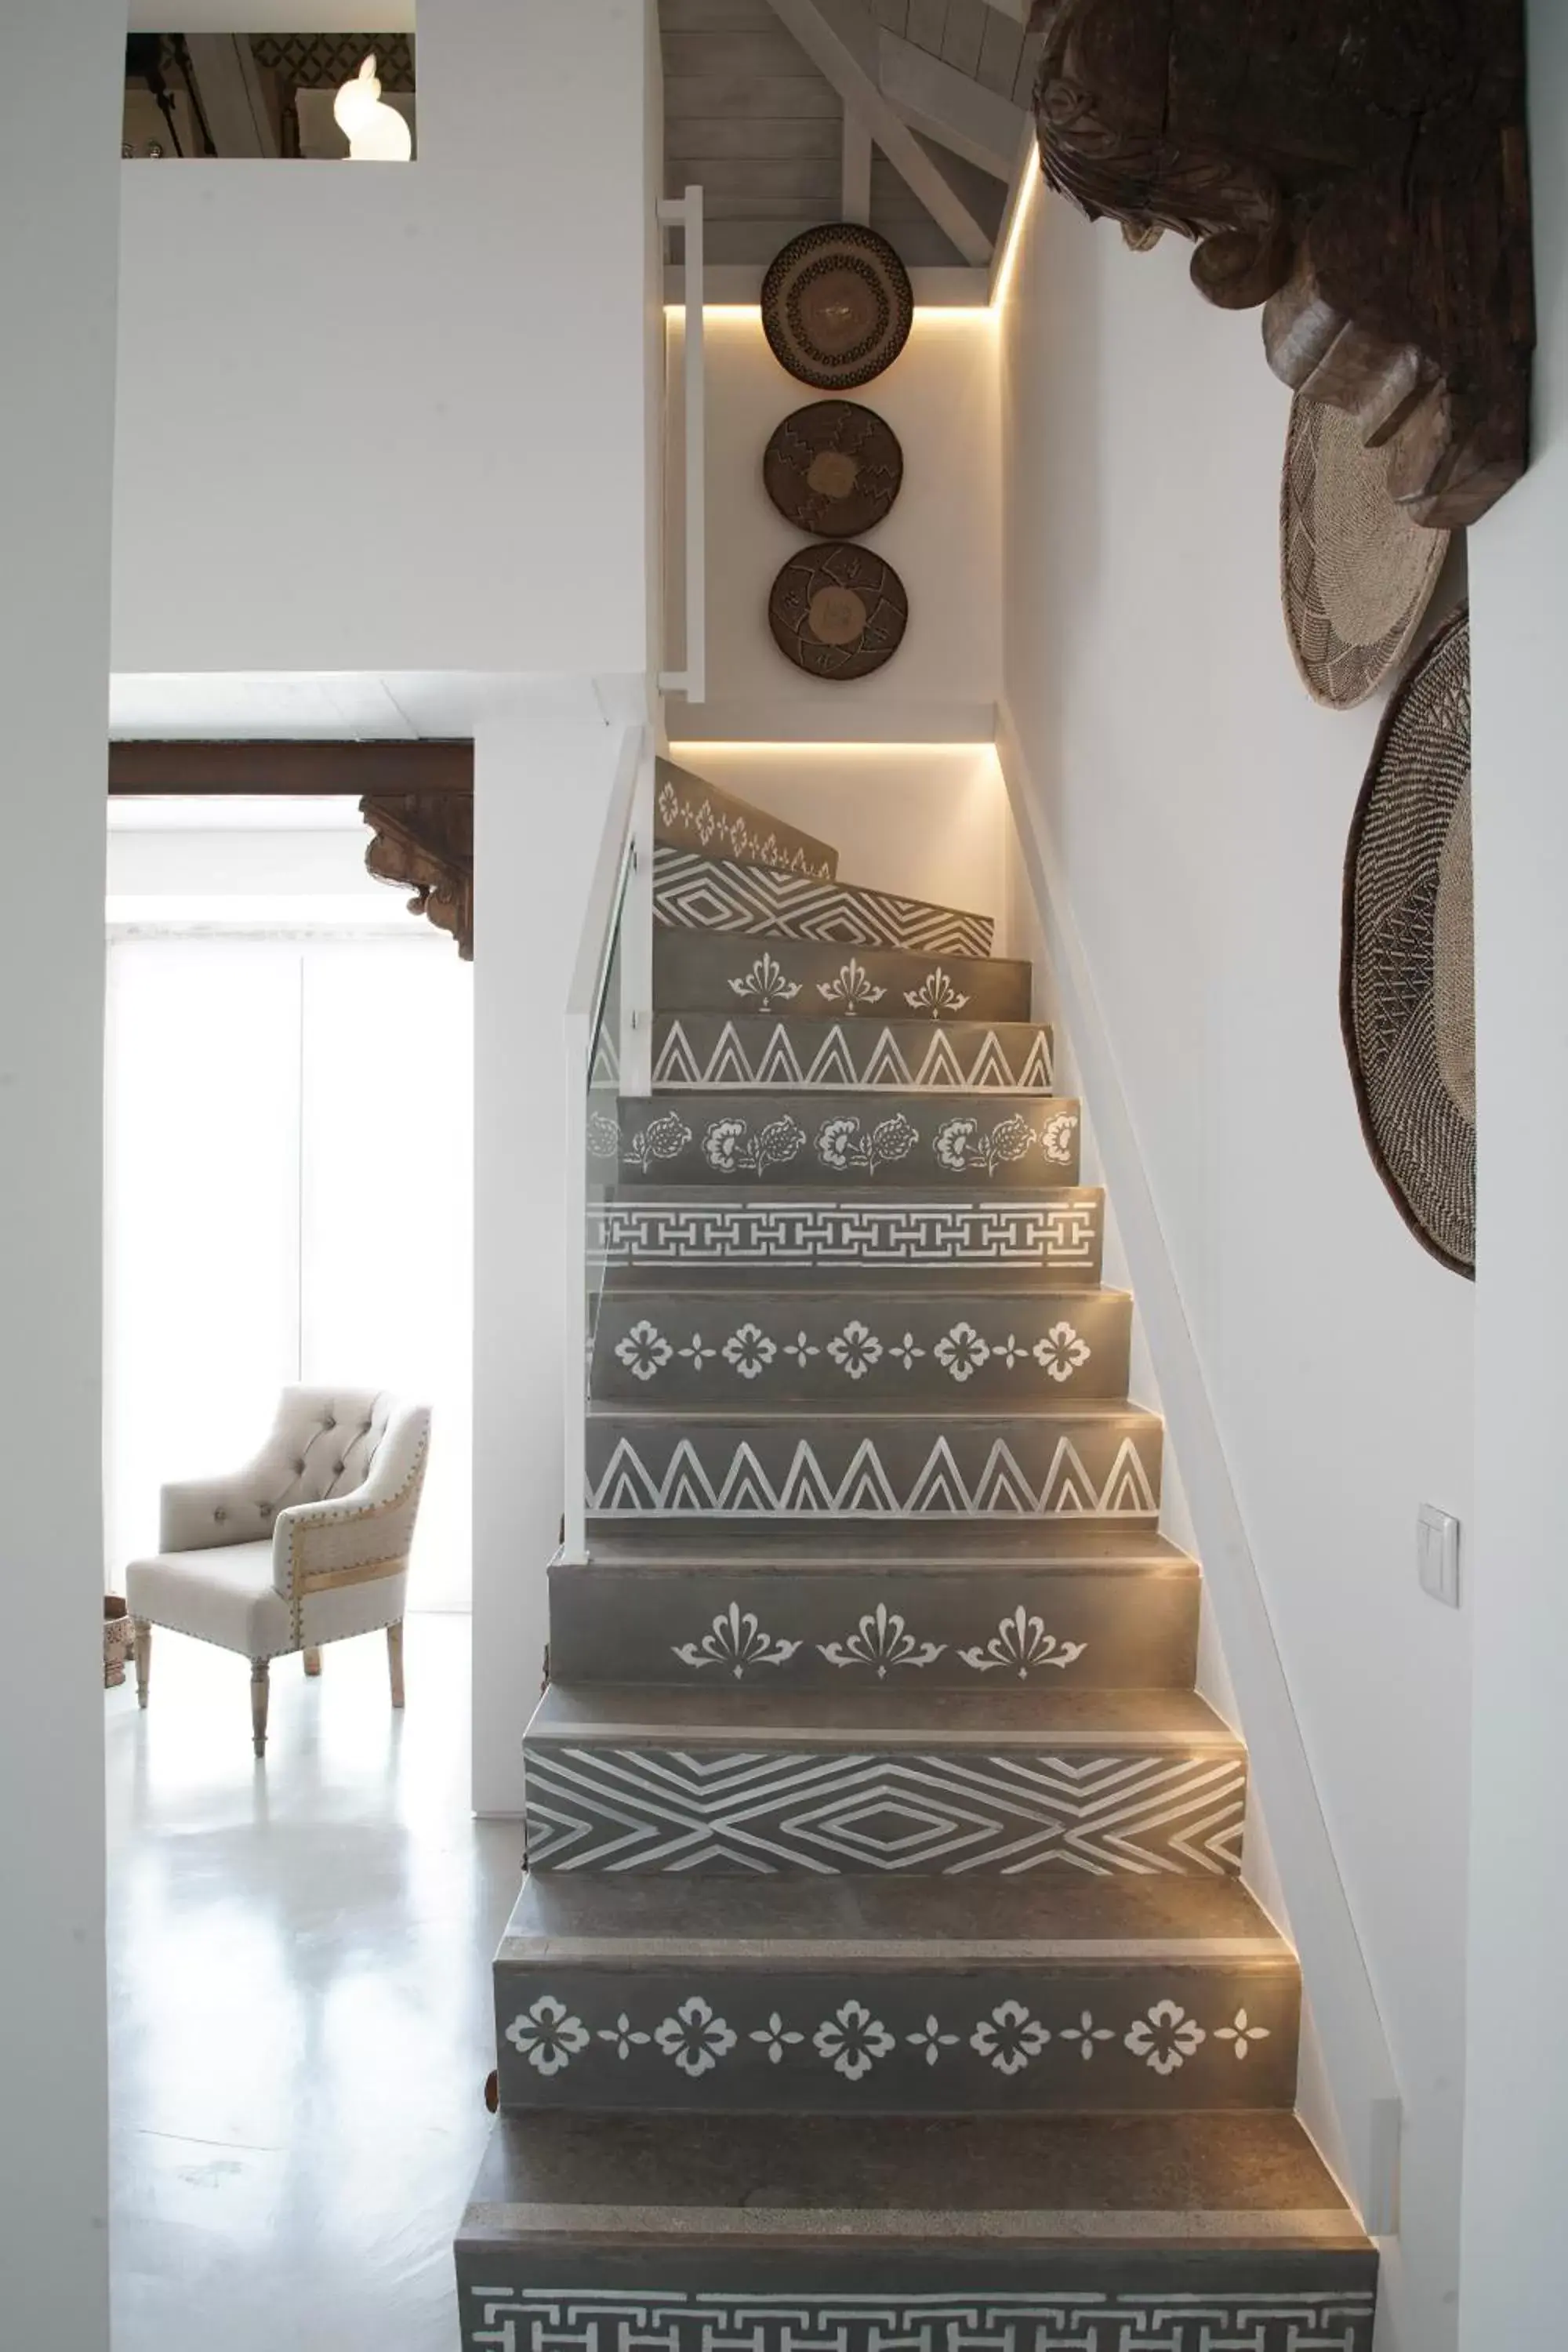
424	841
1359	170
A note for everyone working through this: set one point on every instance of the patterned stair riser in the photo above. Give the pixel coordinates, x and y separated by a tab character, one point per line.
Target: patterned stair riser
691	813
706	894
652	1808
711	1050
1060	1238
719	971
870	1349
915	2298
1017	2038
1064	1467
1089	1628
963	1142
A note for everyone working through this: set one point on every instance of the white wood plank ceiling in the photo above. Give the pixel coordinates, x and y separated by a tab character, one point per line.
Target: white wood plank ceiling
770	104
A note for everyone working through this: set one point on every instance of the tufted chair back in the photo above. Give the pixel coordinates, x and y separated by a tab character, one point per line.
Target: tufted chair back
323	1443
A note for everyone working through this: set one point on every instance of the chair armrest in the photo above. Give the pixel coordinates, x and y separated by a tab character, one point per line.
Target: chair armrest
366	1533
238	1508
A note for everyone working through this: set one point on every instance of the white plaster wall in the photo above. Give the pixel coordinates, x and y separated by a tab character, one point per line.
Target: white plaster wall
57	233
393	416
928	821
1512	2276
940	397
1199	803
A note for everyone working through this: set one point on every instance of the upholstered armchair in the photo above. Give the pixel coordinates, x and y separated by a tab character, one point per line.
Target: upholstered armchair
308	1544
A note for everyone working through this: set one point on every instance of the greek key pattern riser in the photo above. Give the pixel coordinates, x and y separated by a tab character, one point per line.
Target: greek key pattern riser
1005	2041
726	972
757	1350
609	1808
1059	1237
808	1631
703	894
1095	1469
826	1139
501	2318
696	1050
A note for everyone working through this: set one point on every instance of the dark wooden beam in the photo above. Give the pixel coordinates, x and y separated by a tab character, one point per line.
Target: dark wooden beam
307	771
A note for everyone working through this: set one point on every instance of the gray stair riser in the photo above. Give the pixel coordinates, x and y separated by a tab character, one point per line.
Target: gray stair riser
1089	1628
689	813
917	1142
703	894
1005	2038
1062	1466
1060	1238
719	971
784	1055
521	2296
655	1806
860	1349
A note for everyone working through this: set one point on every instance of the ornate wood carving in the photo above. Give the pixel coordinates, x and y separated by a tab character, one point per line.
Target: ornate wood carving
424	841
1359	169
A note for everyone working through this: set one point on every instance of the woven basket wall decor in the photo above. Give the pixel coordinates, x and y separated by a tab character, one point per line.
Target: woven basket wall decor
1355	572
836	306
1408	956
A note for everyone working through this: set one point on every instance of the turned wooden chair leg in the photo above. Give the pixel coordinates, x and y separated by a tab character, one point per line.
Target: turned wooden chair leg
143	1639
394	1660
258	1695
313	1661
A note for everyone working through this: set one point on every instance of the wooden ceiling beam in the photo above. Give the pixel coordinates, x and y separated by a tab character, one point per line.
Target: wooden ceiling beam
948	106
842	39
306	769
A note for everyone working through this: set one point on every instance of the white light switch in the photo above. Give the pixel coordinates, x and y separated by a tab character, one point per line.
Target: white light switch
1437	1553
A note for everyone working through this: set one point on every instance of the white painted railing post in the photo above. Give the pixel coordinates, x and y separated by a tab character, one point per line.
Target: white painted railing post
684	213
635	1038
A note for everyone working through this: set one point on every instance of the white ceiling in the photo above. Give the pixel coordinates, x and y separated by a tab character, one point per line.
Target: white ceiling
389	706
271	17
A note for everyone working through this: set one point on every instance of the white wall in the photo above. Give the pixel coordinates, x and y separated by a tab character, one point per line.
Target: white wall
941	537
57	229
394	415
929	820
1510	2278
1196	805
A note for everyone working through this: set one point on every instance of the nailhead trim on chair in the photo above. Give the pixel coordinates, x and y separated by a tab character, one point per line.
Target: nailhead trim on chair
302	1582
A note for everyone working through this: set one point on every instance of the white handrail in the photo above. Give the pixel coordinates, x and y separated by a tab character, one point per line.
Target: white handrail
584	1001
684	213
637	940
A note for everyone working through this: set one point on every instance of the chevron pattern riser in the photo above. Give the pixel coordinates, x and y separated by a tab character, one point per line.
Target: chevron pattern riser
703	894
721	973
963	1631
1230	2300
1010	2039
797	1810
696	1049
760	1348
1060	1237
1107	1468
832	1140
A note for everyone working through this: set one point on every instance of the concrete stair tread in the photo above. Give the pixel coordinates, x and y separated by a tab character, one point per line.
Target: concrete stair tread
985	1545
1242	2179
841	1285
878	1719
778	1923
740	1411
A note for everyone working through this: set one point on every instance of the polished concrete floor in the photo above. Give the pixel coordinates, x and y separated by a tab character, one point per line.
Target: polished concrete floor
299	1996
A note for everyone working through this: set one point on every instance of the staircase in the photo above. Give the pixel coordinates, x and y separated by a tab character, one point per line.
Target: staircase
884	1980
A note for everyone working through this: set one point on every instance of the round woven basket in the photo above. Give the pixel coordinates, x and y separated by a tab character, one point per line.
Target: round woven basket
1355	572
1408	958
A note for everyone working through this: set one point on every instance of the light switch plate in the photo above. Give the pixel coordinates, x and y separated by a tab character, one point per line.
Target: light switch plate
1438	1554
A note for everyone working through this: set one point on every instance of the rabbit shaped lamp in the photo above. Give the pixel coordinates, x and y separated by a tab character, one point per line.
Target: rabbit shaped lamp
376	134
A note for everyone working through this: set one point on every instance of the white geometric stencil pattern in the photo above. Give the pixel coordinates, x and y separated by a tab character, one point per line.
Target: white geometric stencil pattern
850	1053
736	1483
564	2319
663	1808
705	894
1058	1236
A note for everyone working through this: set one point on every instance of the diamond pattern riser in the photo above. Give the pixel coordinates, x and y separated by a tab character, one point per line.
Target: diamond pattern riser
866	1348
726	972
707	894
925	1142
788	1232
733	1053
1094	1627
